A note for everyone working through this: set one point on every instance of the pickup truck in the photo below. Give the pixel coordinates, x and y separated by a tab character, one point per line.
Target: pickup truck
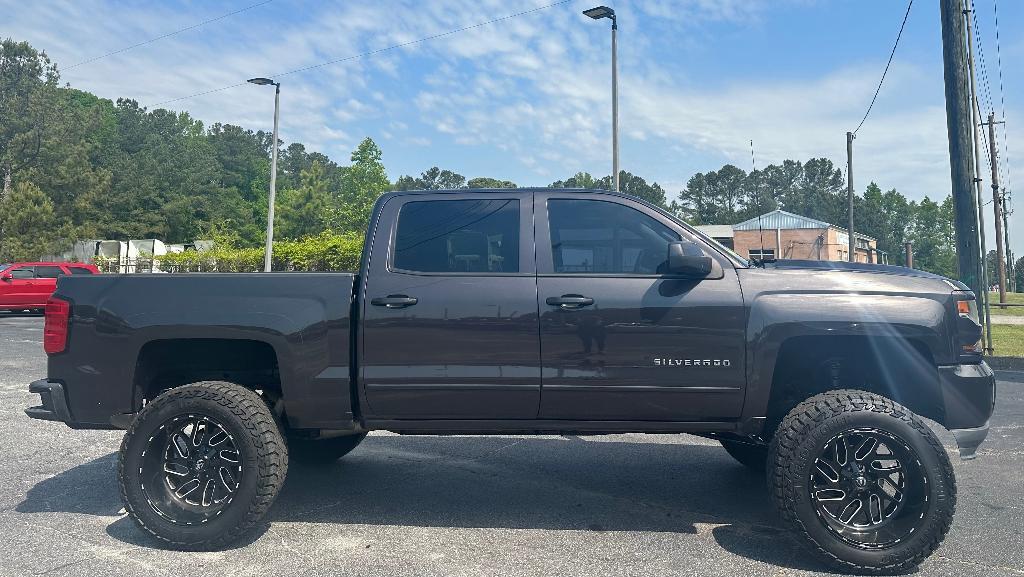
532	311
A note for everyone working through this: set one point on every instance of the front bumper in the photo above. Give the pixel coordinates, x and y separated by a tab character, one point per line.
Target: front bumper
54	405
969	397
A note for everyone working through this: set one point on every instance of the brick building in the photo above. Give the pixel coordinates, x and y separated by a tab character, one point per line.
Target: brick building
781	234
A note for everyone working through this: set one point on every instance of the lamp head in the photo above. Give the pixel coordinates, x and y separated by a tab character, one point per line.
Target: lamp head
600	12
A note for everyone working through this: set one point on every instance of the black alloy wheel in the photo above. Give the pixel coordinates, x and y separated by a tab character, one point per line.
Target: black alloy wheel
868	488
191	469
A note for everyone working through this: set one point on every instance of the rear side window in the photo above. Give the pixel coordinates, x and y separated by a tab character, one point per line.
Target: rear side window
79	270
458	236
49	271
23	272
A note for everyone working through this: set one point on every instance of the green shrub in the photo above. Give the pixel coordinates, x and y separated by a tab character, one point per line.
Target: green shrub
324	252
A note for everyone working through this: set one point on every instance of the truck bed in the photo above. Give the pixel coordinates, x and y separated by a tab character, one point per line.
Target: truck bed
285	331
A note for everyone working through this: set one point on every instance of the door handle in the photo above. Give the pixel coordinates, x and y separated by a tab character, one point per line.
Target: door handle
570	302
394	301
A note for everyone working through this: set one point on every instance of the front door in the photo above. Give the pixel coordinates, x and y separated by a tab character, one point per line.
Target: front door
450	309
23	287
620	339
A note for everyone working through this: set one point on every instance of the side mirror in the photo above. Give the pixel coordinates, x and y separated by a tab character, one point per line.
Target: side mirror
6	277
686	258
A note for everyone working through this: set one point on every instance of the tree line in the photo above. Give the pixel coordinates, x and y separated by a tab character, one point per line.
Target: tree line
75	166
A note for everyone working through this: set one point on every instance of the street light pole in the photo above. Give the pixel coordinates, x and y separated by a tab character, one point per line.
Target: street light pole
615	106
606	12
268	251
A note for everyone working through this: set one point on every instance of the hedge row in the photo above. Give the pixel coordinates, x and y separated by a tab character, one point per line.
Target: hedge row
324	252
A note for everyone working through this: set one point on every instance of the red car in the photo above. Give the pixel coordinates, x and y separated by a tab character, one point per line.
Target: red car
27	285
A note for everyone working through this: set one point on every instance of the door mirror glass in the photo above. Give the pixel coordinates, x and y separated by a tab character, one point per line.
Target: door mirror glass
6	277
686	258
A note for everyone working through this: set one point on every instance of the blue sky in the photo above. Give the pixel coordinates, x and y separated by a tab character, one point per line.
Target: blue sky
528	99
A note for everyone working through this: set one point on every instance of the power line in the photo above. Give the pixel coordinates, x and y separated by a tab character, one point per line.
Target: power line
886	71
981	56
168	35
1002	104
374	52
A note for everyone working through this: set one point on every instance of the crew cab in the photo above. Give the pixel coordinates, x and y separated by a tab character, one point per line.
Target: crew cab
532	311
28	285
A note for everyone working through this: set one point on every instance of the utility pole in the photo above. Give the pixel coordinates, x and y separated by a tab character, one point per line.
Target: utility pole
909	247
997	206
1011	276
958	126
849	195
975	129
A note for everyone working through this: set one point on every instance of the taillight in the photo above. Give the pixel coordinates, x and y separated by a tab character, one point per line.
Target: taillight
55	325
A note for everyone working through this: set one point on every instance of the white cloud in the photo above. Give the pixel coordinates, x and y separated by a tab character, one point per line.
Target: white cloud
532	91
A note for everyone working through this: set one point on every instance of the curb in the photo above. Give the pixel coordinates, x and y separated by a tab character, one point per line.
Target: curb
1006	363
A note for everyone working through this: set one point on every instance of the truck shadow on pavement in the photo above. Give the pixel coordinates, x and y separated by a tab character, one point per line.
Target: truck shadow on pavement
552	483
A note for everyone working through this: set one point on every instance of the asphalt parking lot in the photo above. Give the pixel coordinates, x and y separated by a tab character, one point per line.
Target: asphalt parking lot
618	505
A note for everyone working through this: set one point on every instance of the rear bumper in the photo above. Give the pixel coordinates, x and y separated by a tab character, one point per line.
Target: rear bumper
54	403
969	396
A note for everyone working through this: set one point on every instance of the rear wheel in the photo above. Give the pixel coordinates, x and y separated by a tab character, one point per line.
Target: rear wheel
754	457
322	451
863	480
201	464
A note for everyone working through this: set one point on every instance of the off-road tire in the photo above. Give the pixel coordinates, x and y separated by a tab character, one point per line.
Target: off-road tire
322	451
754	457
799	440
262	454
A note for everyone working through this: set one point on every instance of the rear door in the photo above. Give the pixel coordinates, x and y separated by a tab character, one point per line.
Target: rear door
450	325
620	339
46	282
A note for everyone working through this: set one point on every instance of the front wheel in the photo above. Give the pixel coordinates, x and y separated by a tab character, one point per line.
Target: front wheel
863	480
201	464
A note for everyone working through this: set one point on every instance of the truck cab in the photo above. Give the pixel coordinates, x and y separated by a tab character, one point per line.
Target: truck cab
569	292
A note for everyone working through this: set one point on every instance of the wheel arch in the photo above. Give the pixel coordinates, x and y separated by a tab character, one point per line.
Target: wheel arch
164	364
898	339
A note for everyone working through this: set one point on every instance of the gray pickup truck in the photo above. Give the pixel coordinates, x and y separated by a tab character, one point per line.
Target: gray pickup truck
538	311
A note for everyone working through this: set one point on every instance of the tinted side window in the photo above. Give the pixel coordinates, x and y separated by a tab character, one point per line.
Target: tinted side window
79	270
23	272
48	271
479	236
593	236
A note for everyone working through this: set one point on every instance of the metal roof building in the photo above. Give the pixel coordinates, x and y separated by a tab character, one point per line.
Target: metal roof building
781	234
780	219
